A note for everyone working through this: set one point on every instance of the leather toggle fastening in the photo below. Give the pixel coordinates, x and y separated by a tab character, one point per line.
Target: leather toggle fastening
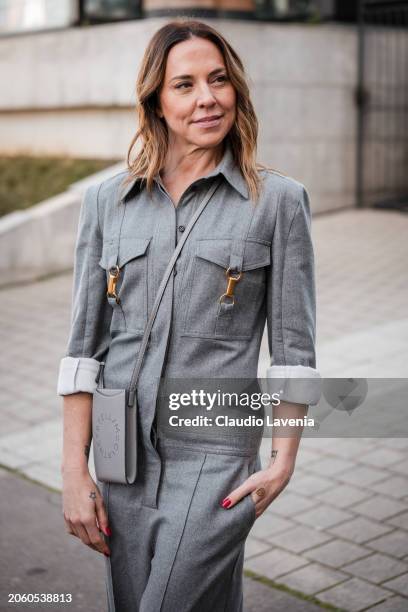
114	273
233	278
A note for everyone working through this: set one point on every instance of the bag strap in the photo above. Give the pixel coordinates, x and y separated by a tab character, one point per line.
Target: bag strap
160	292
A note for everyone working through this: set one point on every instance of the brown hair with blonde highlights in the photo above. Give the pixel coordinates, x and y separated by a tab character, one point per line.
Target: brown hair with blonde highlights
152	132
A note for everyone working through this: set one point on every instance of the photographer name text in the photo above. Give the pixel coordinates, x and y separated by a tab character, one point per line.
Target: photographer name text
248	421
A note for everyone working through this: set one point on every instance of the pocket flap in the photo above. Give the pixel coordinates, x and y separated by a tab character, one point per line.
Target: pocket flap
218	251
257	255
129	248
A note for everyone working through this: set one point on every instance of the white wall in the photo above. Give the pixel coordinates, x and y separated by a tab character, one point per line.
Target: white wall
71	92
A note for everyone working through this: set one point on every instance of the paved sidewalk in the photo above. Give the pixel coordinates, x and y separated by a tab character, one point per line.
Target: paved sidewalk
37	556
339	531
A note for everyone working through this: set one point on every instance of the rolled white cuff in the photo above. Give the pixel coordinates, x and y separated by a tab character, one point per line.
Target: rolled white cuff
77	374
298	384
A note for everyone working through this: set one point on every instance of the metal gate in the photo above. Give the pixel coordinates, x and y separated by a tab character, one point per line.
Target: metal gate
382	98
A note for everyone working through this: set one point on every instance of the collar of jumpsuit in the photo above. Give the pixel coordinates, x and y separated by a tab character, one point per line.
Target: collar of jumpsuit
227	167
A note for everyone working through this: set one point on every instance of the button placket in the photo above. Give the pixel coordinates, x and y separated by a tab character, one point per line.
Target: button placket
183	211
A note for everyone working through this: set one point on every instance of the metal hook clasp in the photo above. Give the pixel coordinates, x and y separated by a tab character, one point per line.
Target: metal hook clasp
232	280
114	273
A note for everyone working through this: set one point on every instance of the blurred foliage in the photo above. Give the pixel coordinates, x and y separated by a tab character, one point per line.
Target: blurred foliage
26	180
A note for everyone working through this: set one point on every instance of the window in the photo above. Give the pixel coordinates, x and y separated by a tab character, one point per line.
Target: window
110	10
285	9
29	15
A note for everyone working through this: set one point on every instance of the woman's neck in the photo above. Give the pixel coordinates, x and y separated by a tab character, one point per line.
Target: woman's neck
190	163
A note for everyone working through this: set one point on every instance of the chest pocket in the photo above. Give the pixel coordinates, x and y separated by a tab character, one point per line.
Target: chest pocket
130	314
229	318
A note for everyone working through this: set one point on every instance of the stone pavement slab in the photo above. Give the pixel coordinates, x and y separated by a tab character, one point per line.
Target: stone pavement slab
393	604
309	483
313	578
258	598
380	507
401	467
343	495
376	568
330	466
38	556
274	563
337	553
399	584
394	486
299	539
254	547
360	529
394	543
400	520
361	475
268	525
382	457
324	516
291	504
354	595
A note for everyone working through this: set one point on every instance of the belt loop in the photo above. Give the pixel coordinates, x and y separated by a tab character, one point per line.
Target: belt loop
237	254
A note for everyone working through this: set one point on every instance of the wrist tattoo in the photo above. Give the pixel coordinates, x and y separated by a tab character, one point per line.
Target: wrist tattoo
274	454
87	450
92	495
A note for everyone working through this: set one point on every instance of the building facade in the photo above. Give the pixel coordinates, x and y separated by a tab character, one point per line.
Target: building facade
72	73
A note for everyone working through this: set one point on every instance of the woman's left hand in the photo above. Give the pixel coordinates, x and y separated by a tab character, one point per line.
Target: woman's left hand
263	486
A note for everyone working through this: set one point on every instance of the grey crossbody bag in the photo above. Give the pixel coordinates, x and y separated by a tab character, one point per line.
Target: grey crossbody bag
115	411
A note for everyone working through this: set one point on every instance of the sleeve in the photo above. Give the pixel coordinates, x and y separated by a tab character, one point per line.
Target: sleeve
91	313
291	307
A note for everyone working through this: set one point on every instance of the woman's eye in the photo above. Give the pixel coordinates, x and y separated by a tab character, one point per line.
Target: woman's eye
220	79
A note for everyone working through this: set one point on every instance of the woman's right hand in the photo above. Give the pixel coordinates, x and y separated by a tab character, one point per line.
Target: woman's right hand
84	509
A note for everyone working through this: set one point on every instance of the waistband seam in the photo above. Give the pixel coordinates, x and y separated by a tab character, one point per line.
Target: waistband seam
217	450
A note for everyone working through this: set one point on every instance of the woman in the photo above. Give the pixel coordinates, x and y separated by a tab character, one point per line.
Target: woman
174	539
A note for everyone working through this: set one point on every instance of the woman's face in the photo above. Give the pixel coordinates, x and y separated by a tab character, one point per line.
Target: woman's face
196	87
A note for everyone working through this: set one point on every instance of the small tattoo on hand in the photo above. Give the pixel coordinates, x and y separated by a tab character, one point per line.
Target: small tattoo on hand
274	454
92	495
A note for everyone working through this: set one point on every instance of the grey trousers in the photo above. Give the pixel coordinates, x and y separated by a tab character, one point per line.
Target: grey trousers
187	554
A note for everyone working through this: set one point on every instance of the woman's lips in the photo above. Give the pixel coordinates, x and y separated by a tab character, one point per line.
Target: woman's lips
209	122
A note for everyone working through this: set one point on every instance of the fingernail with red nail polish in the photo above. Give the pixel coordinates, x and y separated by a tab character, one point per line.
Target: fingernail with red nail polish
106	554
226	502
108	531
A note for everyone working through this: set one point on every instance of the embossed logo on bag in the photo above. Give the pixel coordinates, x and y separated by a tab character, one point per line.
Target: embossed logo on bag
107	435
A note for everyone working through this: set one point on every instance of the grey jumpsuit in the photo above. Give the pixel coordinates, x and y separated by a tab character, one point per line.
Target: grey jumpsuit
174	548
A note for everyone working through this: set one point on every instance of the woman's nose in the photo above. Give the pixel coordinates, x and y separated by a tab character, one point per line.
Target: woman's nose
205	96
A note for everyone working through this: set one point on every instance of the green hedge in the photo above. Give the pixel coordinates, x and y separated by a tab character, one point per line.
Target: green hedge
25	180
